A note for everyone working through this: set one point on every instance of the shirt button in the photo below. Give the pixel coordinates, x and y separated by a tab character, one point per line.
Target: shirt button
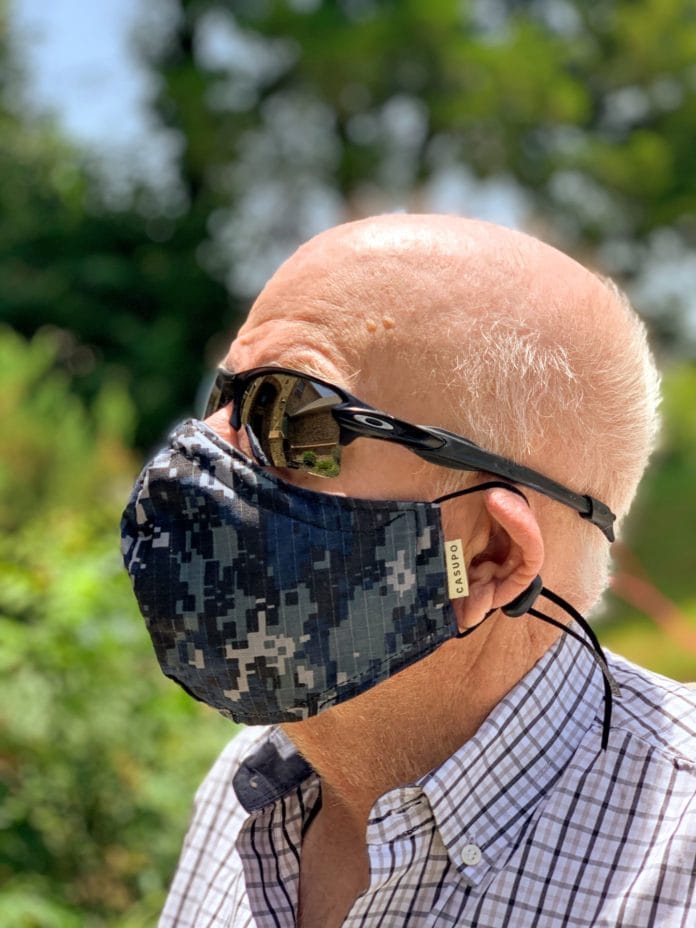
471	855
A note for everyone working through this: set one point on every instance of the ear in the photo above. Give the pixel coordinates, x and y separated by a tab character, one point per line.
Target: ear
504	559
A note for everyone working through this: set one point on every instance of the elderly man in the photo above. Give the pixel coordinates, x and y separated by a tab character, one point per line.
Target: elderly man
439	745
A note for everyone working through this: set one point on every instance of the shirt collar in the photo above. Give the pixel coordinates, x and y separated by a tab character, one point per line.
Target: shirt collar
271	770
484	794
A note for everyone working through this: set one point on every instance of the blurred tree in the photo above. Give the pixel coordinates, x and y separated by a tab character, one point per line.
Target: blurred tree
99	754
297	113
121	281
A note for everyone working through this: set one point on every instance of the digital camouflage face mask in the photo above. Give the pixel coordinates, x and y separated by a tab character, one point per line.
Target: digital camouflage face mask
268	601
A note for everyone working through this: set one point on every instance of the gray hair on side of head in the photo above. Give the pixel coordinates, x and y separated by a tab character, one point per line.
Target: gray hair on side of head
586	414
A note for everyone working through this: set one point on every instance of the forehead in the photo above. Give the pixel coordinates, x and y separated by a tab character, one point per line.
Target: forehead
367	339
375	368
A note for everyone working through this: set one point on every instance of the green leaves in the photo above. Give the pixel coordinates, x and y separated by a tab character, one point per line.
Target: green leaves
99	754
589	107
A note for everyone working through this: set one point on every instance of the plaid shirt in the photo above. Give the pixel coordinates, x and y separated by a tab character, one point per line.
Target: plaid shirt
528	824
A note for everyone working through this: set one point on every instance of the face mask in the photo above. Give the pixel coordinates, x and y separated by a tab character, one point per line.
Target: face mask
270	602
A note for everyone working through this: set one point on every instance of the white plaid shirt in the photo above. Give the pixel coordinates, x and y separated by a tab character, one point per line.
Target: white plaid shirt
528	824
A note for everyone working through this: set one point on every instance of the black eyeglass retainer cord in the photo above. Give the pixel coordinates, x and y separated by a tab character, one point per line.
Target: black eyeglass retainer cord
611	688
524	604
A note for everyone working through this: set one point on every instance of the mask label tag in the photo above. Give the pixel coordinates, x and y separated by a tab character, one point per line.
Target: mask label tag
457	581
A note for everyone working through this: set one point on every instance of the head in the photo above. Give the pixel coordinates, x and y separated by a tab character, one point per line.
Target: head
438	321
488	333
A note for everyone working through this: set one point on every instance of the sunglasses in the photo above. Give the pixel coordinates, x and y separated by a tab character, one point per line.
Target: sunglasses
301	422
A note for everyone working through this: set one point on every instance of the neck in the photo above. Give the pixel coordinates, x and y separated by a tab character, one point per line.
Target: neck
394	734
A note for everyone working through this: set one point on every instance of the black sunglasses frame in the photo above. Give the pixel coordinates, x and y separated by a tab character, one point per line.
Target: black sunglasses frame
438	446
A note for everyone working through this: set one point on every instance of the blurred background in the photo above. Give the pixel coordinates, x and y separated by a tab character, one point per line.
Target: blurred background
157	162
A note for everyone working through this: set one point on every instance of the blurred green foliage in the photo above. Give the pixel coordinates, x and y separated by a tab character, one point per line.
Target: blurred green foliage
291	108
126	288
99	754
660	538
118	274
666	506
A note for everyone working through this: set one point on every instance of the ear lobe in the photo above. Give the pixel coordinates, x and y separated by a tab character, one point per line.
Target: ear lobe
508	564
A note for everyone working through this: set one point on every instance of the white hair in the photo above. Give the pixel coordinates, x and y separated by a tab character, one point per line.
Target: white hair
585	414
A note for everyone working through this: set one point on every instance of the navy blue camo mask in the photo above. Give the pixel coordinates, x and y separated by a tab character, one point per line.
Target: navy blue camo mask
270	602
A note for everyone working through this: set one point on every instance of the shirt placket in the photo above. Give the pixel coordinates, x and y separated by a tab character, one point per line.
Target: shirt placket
399	833
269	848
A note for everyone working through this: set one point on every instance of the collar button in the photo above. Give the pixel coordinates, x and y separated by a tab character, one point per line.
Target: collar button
471	855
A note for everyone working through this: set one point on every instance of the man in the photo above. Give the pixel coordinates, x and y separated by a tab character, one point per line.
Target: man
466	780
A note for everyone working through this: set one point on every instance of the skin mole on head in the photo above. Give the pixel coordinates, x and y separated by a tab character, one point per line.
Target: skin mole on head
371	325
388	322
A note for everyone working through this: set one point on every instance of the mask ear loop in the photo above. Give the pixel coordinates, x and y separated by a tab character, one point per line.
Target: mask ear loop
488	485
524	604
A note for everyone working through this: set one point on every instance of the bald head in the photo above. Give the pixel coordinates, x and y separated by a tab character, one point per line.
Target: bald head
472	327
377	283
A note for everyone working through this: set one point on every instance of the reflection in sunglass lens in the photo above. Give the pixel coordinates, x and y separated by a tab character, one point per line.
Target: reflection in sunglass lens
291	420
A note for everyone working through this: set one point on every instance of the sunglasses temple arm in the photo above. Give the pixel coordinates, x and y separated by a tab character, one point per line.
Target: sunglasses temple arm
458	453
449	450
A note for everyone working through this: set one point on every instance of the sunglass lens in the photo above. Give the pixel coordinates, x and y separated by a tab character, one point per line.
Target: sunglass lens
290	418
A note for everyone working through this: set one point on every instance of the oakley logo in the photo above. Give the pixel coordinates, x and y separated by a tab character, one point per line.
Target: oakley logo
374	422
457	581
